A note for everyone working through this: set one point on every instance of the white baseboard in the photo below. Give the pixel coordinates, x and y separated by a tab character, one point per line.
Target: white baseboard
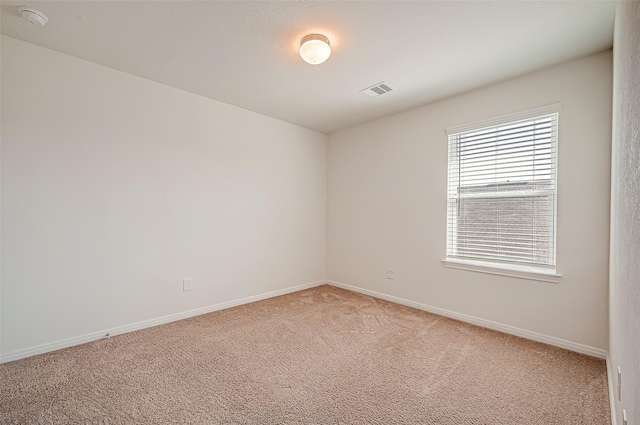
612	392
572	346
57	345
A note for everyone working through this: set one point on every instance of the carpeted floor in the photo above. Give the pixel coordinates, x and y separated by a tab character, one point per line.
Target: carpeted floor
319	356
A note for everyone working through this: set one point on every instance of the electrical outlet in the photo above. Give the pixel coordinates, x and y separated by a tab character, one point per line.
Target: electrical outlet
625	421
390	273
187	284
619	384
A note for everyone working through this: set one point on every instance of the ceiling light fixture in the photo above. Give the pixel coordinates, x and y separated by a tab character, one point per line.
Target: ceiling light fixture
33	15
315	49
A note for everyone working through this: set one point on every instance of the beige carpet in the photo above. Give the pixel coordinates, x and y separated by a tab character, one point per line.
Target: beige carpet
319	356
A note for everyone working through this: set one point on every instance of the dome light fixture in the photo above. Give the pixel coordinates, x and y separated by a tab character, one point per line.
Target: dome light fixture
33	15
315	49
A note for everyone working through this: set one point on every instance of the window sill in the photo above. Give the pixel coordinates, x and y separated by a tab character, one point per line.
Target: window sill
521	273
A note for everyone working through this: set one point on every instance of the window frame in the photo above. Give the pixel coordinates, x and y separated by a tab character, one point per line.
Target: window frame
540	272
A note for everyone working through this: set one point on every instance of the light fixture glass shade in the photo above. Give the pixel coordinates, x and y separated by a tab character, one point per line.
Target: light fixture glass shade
315	49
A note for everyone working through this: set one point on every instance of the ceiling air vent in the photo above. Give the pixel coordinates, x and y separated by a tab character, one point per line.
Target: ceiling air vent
377	89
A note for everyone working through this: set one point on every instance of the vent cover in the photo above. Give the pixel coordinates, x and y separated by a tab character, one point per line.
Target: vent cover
377	89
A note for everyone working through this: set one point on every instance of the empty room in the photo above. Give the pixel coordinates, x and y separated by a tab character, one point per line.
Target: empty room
320	212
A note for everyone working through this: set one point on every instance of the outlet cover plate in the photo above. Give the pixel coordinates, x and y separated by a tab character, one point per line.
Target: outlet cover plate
187	284
619	384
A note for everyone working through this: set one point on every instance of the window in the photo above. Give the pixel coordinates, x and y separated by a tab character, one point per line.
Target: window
502	192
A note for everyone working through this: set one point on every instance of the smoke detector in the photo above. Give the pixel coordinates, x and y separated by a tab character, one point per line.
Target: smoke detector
377	89
33	15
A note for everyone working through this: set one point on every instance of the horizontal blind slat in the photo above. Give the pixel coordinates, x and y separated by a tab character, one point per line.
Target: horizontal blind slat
523	129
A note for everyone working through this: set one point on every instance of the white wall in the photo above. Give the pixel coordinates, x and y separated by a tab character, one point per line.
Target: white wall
625	213
115	188
387	206
1	39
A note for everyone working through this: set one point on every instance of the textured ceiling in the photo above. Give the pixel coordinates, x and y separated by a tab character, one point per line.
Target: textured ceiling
245	53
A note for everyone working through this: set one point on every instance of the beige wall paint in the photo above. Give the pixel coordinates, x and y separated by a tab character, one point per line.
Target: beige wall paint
387	206
115	188
625	213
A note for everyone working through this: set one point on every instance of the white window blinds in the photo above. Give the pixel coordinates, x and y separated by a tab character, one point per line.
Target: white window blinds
502	192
